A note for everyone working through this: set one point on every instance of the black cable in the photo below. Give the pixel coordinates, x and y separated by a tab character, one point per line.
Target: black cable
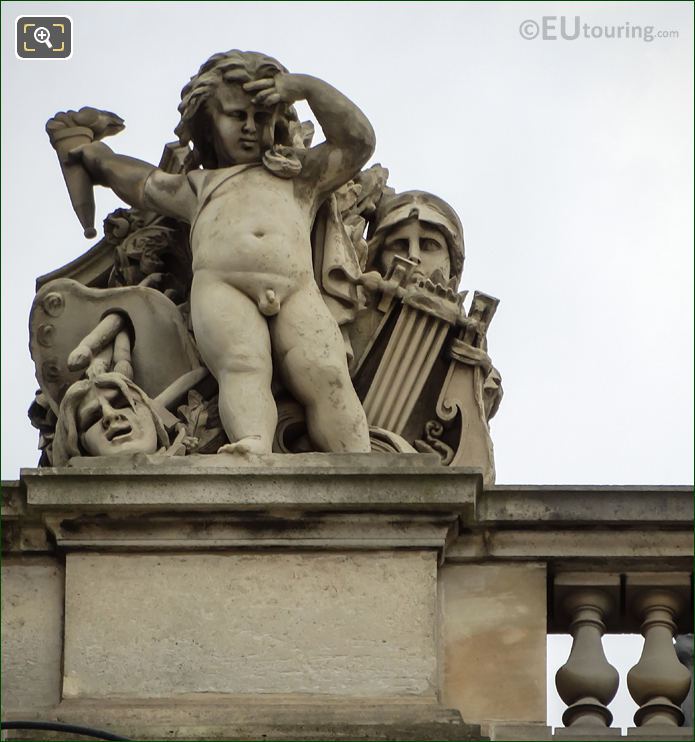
56	726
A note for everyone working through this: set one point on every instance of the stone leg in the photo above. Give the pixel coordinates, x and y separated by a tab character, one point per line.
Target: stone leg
233	339
311	354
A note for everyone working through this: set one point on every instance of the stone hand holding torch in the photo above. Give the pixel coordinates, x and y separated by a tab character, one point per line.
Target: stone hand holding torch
71	129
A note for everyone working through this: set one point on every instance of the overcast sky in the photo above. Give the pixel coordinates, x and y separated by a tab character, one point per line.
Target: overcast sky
568	161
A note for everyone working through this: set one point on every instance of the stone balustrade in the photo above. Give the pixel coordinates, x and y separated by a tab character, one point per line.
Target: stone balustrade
587	605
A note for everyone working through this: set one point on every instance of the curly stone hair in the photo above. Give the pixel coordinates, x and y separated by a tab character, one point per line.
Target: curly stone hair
225	68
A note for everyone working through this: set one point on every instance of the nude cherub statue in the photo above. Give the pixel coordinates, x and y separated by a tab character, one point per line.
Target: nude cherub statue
251	200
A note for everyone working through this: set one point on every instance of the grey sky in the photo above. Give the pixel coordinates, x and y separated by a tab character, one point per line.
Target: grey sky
569	162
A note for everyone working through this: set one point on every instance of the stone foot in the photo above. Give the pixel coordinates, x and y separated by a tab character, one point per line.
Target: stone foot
249	445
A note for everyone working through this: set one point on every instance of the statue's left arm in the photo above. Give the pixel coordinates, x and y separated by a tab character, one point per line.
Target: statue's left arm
350	139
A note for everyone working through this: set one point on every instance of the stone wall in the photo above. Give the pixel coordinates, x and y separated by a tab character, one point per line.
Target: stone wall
383	603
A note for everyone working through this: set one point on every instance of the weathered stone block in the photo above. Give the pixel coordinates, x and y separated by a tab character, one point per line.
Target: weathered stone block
517	732
247	717
494	641
32	627
351	624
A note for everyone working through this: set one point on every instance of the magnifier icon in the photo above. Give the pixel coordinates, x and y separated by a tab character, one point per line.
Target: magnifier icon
43	36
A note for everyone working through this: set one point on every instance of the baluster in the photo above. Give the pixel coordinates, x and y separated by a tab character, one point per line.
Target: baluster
658	683
684	652
587	682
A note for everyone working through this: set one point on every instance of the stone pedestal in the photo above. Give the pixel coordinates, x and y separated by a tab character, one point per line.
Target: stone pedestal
293	597
347	624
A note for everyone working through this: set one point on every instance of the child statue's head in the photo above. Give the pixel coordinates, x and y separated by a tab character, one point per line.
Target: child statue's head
219	118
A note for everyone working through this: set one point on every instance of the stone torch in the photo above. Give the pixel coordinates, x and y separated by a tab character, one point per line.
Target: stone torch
68	130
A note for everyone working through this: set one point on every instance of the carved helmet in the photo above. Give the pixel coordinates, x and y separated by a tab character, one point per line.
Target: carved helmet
425	207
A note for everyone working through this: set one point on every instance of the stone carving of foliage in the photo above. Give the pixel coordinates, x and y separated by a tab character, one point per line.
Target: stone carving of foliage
202	421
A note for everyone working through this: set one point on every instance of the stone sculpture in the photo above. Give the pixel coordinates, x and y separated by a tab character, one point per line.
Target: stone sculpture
422	228
107	415
264	286
250	209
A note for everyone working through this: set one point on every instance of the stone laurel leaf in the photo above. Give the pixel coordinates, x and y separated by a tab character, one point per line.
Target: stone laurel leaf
194	414
202	422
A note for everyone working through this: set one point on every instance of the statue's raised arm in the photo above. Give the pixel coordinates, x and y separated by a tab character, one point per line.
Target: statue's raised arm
350	139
